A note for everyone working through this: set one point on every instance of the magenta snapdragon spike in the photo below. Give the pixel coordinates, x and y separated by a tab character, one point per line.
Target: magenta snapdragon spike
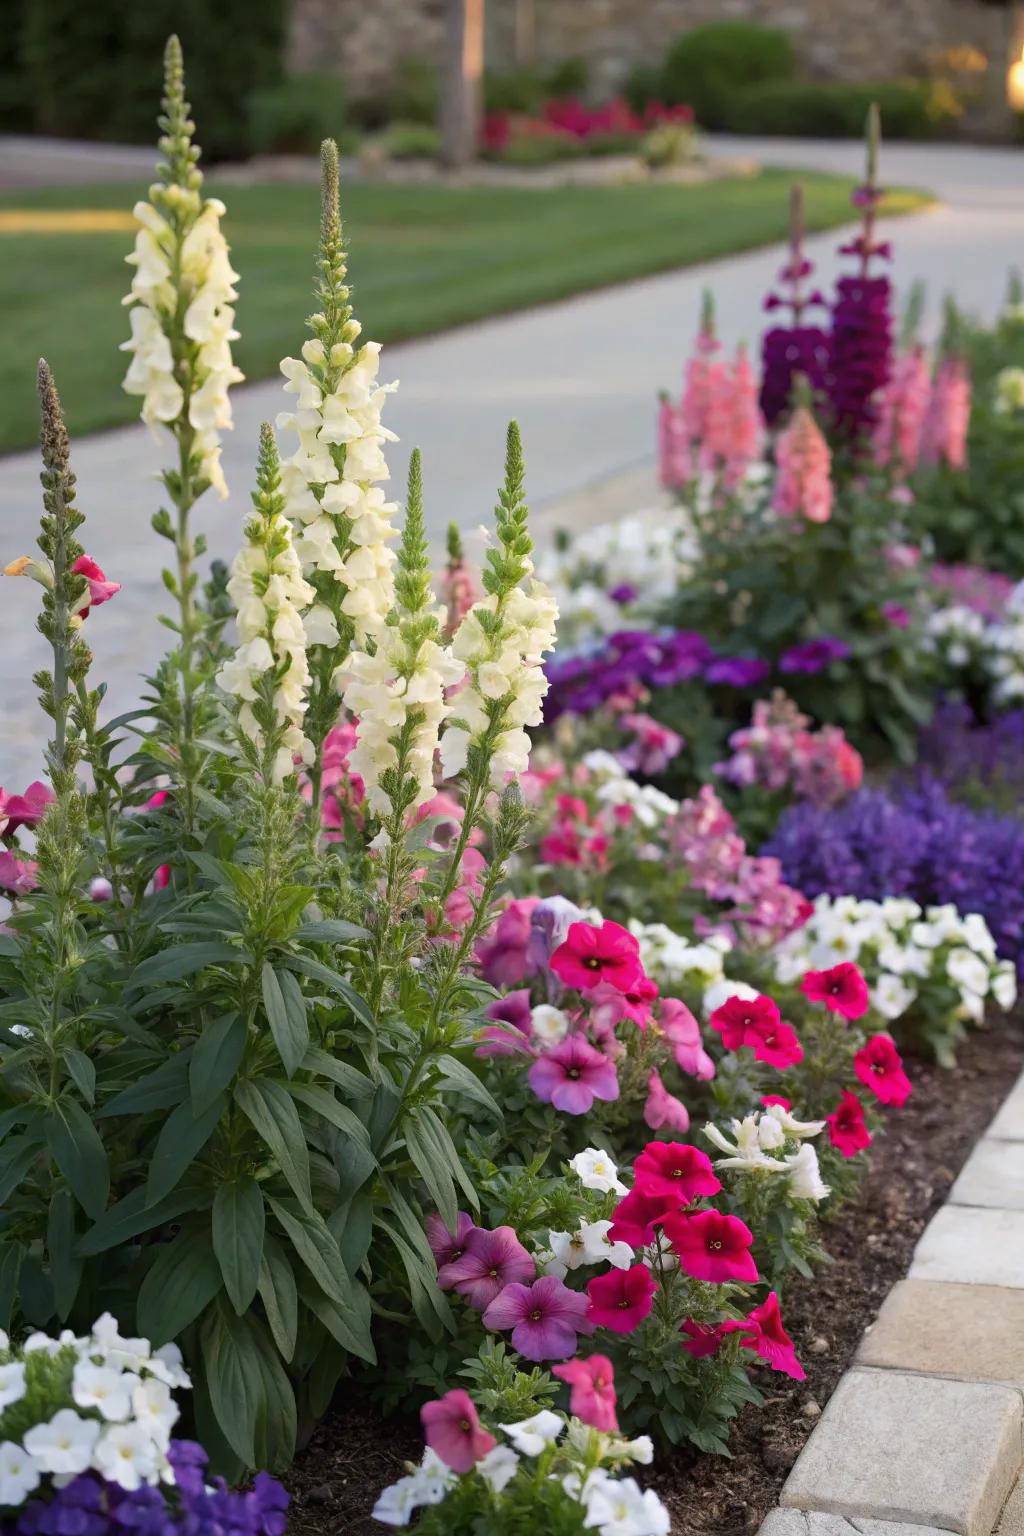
860	348
796	346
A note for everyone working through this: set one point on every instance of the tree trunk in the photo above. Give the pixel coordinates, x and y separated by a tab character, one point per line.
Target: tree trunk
461	90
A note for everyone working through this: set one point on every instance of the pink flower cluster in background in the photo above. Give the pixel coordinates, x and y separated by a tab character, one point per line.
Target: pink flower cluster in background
571	119
716	426
778	751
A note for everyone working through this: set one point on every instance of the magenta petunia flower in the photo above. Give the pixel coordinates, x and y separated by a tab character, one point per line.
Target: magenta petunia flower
452	1429
739	1017
444	1245
592	1399
573	1075
704	1339
502	958
763	1333
675	1170
842	989
544	1317
712	1247
847	1128
637	1214
814	655
880	1068
24	810
514	1010
592	954
775	1043
490	1261
622	1298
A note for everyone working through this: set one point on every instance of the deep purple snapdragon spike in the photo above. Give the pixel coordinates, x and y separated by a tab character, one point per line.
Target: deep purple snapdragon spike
793	347
860	346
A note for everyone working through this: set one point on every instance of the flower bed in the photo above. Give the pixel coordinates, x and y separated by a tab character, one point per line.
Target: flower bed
357	1034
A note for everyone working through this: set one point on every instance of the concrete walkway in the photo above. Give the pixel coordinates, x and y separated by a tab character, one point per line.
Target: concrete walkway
581	377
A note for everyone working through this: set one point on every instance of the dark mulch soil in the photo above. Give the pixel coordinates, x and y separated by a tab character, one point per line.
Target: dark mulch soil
352	1454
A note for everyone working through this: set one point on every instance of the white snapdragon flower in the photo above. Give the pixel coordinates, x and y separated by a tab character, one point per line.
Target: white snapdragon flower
595	1170
268	590
805	1179
531	1435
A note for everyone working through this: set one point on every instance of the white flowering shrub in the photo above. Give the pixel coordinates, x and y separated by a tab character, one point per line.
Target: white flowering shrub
930	971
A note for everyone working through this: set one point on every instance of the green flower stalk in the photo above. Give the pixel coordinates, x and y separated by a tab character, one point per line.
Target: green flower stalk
182	323
342	521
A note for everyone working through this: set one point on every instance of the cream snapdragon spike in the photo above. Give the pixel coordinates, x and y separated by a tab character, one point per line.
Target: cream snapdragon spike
182	296
396	686
501	642
268	675
332	479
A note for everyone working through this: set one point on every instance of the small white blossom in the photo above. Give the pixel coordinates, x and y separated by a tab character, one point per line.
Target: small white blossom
548	1025
104	1388
498	1467
1004	984
805	1179
619	1507
64	1445
891	996
20	1475
12	1383
590	1244
127	1454
531	1435
595	1170
968	970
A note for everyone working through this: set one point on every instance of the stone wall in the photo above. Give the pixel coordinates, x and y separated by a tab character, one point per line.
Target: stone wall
363	40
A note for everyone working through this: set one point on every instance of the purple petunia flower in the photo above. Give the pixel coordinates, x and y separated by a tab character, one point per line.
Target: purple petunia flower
491	1261
573	1075
737	671
448	1246
624	593
814	655
545	1318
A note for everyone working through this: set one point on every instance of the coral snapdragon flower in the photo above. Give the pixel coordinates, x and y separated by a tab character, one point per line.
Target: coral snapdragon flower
573	1075
592	954
842	989
592	1399
622	1298
712	1246
98	588
452	1429
674	1170
847	1130
488	1263
880	1068
544	1317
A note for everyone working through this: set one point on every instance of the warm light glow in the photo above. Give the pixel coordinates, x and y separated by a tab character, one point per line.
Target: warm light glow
1015	84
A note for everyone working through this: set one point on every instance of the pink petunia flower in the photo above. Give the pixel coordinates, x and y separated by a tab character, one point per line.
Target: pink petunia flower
675	1170
444	1245
18	876
24	810
489	1262
683	1034
609	1006
544	1317
662	1108
622	1298
768	1099
775	1043
712	1246
880	1068
502	958
842	989
592	954
592	1399
739	1018
764	1334
573	1075
704	1339
452	1428
637	1214
847	1129
98	589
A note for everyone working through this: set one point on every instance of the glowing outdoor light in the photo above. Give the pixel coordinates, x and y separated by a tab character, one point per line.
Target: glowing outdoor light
1015	84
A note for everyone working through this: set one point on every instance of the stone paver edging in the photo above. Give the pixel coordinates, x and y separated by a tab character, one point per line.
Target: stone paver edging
925	1432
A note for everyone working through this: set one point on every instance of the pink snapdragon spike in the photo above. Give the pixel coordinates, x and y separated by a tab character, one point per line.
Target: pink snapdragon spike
502	958
675	461
622	1298
98	588
945	437
636	1216
711	1246
697	375
879	1067
747	425
444	1245
842	989
662	1109
17	876
489	1262
903	411
674	1170
459	586
591	954
592	1398
682	1031
572	1075
24	810
762	1331
847	1128
803	476
452	1429
545	1318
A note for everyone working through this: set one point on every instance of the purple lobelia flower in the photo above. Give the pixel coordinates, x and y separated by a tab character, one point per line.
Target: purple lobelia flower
861	342
737	671
489	1262
573	1075
545	1318
814	655
794	348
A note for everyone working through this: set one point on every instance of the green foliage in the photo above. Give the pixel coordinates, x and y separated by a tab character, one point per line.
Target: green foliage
836	109
707	66
295	115
410	141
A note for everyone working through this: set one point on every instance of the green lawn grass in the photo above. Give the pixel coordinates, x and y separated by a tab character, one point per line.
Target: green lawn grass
422	259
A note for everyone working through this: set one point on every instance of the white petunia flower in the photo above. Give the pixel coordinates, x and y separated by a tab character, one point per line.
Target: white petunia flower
397	1505
1004	984
891	995
805	1179
968	970
126	1454
156	1410
619	1507
104	1387
12	1383
802	1129
498	1467
747	1151
20	1475
64	1445
590	1244
548	1025
531	1435
595	1170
